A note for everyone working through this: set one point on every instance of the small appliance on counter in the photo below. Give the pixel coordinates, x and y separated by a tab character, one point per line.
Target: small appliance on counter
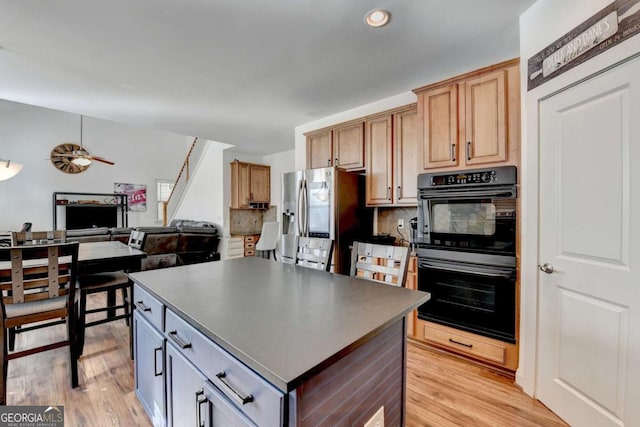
413	226
379	239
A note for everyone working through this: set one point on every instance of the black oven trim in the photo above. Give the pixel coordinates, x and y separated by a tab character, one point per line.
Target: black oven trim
498	267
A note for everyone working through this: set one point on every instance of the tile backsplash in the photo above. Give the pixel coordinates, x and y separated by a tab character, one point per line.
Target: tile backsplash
388	222
249	221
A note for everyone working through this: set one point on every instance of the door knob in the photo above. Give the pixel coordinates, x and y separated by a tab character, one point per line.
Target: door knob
546	268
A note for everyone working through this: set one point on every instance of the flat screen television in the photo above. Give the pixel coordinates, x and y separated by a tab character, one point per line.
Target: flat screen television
79	216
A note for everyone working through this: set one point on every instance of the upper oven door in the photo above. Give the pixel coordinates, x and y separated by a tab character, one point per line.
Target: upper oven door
482	219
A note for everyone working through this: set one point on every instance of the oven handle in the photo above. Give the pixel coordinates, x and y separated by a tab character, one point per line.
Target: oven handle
458	269
469	194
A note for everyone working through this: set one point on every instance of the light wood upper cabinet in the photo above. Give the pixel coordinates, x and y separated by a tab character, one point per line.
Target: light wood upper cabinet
250	185
405	160
348	146
470	120
391	142
378	146
341	146
319	149
438	110
260	177
485	119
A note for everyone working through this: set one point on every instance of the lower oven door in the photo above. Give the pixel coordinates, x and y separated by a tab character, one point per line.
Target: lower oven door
472	297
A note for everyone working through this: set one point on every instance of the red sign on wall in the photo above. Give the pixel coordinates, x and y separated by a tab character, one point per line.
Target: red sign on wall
136	195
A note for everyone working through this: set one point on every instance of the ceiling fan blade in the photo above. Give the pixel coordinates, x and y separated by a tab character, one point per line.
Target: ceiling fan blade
100	159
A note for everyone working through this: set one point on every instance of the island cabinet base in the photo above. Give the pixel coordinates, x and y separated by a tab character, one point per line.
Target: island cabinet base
351	390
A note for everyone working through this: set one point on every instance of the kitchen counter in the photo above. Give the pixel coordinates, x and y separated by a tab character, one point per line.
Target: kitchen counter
284	322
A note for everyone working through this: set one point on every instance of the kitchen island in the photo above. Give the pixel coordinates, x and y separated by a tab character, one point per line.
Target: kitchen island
255	342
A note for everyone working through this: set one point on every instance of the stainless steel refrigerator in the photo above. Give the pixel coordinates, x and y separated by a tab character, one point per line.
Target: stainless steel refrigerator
328	203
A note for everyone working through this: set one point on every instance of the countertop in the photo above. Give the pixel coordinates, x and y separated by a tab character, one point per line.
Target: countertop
283	321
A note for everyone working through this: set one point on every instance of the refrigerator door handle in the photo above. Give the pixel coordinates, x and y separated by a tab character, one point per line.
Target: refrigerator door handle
305	195
300	207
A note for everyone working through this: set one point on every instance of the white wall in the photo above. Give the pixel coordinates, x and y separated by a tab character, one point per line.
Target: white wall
543	23
27	136
203	199
280	163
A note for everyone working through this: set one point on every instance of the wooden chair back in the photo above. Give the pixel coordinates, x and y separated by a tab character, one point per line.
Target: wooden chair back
37	284
19	238
380	263
31	274
314	252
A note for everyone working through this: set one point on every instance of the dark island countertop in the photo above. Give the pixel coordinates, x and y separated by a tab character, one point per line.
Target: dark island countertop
284	322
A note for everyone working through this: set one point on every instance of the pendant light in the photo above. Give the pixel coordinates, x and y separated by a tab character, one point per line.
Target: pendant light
8	169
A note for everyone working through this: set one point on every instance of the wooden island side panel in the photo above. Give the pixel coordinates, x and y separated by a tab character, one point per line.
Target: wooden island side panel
350	391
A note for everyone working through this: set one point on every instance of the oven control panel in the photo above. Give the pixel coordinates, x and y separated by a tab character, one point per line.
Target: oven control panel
501	175
464	178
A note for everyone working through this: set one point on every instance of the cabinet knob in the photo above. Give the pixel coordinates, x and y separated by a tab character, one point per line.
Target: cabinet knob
388	193
468	150
453	152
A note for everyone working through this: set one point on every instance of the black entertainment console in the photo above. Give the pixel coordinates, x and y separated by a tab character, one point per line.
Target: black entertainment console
88	210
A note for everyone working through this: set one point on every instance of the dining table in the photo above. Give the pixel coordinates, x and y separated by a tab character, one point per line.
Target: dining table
100	257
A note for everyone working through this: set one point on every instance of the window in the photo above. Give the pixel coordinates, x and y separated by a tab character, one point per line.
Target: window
163	188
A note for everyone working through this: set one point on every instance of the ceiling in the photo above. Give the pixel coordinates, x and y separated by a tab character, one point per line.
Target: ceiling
243	72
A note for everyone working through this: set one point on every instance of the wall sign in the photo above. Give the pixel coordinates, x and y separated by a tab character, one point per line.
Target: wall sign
136	195
612	25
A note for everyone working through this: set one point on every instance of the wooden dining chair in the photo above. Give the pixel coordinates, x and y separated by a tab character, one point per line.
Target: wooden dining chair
380	263
38	290
314	252
28	237
19	238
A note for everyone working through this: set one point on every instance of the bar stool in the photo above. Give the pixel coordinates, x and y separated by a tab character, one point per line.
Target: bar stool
103	282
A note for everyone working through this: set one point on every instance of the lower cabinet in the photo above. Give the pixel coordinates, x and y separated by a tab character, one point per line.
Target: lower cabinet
193	400
149	373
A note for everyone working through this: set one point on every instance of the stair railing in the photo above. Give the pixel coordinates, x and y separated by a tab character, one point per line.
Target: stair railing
181	184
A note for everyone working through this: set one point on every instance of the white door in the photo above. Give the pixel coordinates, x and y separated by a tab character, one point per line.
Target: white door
589	312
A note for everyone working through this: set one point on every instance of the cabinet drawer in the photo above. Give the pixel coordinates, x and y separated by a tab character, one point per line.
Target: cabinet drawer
148	306
235	243
249	252
249	245
250	239
464	344
231	376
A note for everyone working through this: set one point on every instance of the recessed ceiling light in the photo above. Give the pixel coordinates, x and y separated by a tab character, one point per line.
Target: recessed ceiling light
377	18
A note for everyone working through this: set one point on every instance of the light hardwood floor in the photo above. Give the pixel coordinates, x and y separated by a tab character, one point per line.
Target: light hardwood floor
441	389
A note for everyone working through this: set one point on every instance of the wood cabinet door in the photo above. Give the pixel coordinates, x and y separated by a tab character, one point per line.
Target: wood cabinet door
379	178
260	187
348	146
406	162
412	283
240	187
485	119
438	129
319	149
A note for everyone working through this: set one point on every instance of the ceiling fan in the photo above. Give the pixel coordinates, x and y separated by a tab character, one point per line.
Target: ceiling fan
73	158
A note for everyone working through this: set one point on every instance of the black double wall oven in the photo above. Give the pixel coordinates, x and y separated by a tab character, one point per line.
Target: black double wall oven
466	247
